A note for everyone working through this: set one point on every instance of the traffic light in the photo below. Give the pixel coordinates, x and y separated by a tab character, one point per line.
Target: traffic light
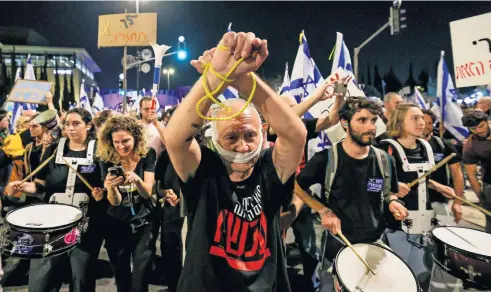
397	19
120	84
181	49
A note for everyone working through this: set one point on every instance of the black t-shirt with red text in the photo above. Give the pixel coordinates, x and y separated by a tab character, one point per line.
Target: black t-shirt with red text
233	241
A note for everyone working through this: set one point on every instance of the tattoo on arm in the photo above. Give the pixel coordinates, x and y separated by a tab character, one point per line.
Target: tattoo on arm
196	126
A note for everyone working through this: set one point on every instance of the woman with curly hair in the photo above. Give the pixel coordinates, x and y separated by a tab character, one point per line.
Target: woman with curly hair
128	167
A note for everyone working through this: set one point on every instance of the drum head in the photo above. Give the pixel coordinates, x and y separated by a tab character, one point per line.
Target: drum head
44	216
390	270
464	239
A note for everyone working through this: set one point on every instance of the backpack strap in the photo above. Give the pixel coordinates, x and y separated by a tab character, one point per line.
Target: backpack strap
447	168
331	167
440	142
386	170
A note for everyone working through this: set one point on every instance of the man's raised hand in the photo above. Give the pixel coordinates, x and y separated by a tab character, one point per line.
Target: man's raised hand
234	46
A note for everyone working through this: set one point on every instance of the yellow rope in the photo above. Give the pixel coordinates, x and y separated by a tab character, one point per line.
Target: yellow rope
210	94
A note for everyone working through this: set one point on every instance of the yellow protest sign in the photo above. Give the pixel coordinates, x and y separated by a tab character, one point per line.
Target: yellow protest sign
127	29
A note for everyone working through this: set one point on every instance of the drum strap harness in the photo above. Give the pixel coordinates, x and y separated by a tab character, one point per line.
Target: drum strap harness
420	221
419	168
75	162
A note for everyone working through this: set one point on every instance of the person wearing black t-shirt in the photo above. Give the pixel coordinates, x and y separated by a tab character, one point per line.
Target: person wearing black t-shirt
132	222
354	205
233	196
171	220
451	172
303	226
52	180
406	126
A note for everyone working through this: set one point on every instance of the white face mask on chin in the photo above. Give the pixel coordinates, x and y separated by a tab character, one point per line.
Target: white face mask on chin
233	156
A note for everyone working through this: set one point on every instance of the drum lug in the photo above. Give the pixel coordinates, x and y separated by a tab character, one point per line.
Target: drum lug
84	225
47	249
408	223
46	237
435	222
470	273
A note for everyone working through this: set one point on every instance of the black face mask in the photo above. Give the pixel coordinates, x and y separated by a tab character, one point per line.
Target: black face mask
358	138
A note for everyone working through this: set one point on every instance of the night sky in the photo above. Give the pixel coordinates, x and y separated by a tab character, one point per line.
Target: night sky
74	24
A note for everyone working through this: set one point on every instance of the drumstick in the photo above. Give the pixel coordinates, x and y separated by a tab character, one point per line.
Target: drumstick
346	241
79	175
450	230
318	206
437	166
486	212
38	169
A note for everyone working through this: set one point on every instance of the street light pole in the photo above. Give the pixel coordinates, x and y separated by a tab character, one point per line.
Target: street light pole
168	72
168	80
357	49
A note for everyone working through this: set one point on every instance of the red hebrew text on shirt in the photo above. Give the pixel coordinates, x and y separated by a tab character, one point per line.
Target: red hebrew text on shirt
241	235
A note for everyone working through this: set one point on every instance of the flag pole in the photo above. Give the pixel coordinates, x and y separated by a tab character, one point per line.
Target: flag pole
124	80
444	96
125	102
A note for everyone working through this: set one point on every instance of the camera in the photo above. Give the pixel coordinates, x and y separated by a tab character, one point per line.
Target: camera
340	87
117	171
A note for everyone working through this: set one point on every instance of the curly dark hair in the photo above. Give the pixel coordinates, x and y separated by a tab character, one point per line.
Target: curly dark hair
355	104
474	118
105	147
430	113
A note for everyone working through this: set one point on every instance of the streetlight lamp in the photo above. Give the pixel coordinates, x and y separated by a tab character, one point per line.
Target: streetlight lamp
168	72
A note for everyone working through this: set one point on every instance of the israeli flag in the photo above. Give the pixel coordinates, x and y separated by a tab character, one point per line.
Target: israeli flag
419	100
451	114
29	72
303	80
285	86
341	68
342	58
98	104
18	107
84	98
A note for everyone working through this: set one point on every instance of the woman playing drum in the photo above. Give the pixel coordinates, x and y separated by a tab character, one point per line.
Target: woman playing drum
61	185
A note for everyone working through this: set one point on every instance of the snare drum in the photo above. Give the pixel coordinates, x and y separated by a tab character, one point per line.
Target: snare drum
41	230
464	253
392	273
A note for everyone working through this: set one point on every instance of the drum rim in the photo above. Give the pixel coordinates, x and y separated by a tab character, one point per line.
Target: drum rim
418	287
23	228
463	251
